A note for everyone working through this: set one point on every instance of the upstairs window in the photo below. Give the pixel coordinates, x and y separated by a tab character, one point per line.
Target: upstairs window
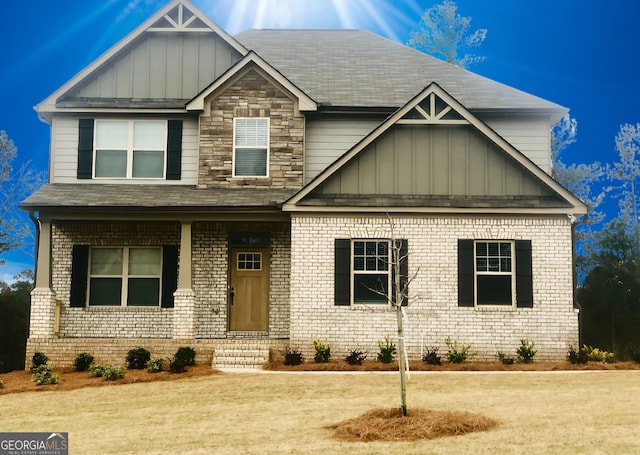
130	149
251	147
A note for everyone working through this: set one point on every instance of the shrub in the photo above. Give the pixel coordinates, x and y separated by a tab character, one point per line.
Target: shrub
42	375
387	350
455	353
113	373
505	359
525	352
38	359
355	357
177	365
1	383
576	357
137	358
292	356
96	371
82	362
186	355
323	351
431	356
155	365
596	355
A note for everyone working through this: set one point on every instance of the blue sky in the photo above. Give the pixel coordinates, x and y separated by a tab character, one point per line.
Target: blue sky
582	54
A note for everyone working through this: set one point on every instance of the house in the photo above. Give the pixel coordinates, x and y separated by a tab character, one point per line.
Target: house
236	193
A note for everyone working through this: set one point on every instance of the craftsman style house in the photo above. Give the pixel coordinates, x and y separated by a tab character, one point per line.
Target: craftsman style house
233	193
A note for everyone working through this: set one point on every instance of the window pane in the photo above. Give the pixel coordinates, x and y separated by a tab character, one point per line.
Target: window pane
251	162
481	264
149	135
505	264
148	164
358	263
111	163
365	287
112	135
505	249
494	290
358	248
106	261
371	263
105	291
144	261
494	264
251	132
143	292
481	249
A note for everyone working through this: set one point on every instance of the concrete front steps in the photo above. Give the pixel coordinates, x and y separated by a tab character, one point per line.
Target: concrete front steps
242	353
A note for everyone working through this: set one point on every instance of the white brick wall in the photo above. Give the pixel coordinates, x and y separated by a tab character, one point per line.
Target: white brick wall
552	323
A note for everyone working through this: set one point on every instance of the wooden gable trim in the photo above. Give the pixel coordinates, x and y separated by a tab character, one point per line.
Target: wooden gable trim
467	117
49	103
303	101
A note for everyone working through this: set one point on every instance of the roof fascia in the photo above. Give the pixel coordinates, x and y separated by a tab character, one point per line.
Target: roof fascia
49	103
519	157
305	103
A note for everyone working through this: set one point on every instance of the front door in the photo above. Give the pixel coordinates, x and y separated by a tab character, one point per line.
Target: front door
249	292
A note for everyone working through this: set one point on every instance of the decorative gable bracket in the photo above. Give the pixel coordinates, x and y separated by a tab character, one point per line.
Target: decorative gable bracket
180	19
433	110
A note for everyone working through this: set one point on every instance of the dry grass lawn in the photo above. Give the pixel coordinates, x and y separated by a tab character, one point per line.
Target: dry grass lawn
280	413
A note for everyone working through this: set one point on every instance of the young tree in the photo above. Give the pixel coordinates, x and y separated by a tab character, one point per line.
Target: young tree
445	34
15	185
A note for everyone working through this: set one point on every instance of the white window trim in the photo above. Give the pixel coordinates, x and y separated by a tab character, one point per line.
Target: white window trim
130	130
235	147
477	273
370	272
124	294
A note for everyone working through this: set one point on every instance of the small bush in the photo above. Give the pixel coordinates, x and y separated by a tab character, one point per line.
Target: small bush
455	353
505	359
576	357
155	365
82	362
323	351
38	359
355	357
113	373
186	355
96	371
596	355
387	350
42	375
1	383
292	356
137	358
431	356
177	365
525	352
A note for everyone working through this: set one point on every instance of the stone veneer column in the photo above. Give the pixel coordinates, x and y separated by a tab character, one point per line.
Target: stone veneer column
43	299
184	297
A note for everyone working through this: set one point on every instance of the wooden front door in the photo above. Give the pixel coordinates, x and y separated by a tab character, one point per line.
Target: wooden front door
249	293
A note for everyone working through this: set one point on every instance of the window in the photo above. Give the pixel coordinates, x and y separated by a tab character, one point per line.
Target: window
125	276
130	149
494	273
250	147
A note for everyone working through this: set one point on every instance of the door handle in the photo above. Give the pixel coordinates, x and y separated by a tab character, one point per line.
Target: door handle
231	295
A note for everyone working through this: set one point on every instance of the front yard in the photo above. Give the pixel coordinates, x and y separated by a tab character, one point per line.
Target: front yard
279	413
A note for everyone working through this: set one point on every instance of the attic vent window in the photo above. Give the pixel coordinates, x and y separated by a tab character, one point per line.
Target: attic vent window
251	147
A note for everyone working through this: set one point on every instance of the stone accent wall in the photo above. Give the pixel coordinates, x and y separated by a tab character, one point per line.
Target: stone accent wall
251	96
552	323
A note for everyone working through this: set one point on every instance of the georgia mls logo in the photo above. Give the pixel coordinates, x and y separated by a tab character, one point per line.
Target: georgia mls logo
34	444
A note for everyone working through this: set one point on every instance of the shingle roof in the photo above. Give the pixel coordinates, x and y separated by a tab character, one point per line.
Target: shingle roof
154	197
361	69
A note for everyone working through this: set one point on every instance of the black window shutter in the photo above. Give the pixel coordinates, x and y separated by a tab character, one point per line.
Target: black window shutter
79	275
404	271
85	148
465	273
169	274
174	149
342	282
524	274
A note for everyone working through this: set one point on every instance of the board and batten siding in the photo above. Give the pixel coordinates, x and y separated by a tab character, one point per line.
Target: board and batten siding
64	154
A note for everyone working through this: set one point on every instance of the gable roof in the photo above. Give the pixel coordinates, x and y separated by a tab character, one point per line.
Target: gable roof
178	16
357	68
433	106
304	102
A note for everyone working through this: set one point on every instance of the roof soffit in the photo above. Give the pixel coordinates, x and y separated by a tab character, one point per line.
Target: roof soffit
177	16
435	106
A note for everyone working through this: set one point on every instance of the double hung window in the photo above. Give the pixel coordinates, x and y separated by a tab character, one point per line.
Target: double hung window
130	149
371	270
494	273
125	276
251	147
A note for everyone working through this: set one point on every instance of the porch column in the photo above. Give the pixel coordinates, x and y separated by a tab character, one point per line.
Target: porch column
43	299
184	297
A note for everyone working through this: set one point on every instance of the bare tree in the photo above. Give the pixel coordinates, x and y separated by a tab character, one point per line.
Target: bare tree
445	34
